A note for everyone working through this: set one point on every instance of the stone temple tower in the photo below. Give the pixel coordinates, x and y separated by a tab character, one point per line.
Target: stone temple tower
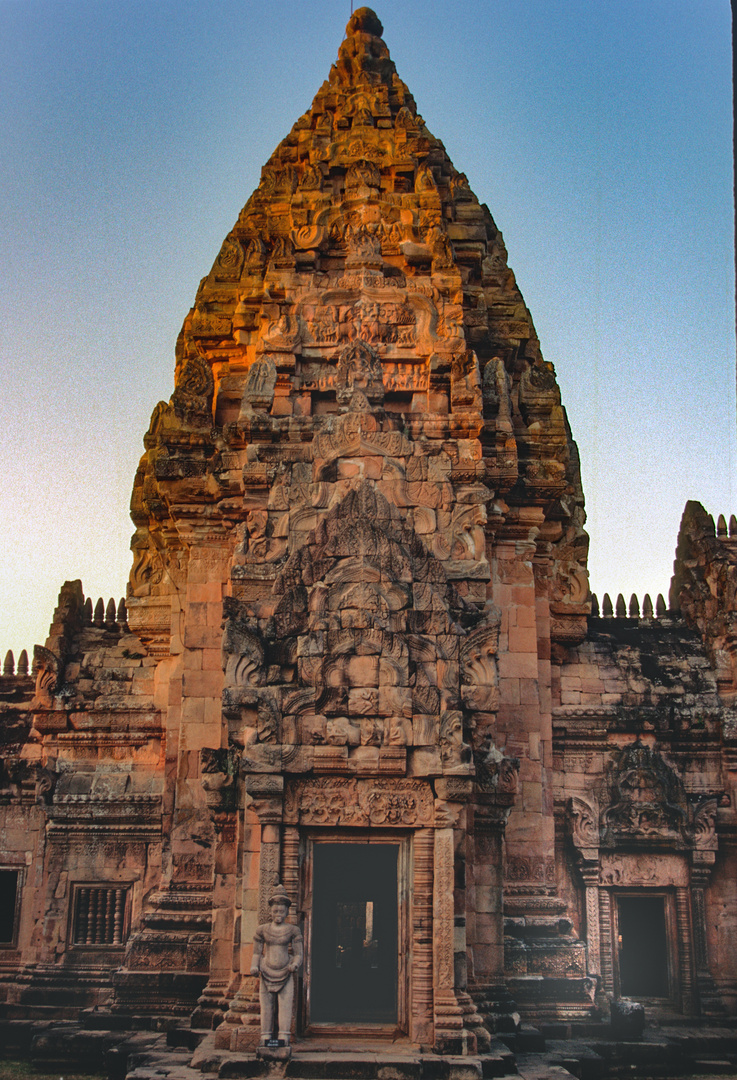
365	474
360	658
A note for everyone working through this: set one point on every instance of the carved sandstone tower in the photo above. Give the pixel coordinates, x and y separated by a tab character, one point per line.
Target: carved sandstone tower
359	659
359	529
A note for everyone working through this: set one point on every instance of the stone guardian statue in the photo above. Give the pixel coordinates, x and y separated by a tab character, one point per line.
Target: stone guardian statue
277	955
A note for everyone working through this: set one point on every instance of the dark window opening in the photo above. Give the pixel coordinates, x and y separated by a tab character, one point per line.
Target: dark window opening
8	905
99	915
643	949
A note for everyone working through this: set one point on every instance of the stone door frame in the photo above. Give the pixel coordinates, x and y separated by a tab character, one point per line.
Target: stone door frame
607	874
403	841
638	830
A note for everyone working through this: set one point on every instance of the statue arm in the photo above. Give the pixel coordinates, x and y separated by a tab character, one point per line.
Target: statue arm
297	952
258	948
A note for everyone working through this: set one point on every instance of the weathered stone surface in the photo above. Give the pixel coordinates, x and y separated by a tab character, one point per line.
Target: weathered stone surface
358	614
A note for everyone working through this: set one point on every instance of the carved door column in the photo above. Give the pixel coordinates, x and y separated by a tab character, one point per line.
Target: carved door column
607	937
698	911
266	792
449	1033
703	858
261	867
290	862
422	979
685	950
590	875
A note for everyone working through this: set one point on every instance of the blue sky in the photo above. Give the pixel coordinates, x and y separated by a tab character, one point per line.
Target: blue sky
131	133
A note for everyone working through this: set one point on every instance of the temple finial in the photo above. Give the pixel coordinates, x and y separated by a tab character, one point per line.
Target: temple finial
366	21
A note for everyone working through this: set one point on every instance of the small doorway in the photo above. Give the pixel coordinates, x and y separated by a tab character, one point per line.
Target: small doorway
643	946
354	962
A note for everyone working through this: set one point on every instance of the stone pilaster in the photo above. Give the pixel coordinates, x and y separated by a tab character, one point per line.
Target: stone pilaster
450	1035
241	1029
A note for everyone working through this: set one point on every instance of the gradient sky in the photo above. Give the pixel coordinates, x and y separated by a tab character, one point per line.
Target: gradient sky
599	133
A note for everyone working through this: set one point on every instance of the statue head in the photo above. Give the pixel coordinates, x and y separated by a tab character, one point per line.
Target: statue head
279	904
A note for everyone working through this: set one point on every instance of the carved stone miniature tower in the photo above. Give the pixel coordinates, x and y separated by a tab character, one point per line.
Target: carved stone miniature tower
359	534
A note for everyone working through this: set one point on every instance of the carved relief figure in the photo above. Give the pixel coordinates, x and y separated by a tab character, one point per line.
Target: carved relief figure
645	795
359	372
277	955
260	383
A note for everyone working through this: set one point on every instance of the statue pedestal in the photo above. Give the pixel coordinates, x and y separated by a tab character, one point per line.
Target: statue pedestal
274	1053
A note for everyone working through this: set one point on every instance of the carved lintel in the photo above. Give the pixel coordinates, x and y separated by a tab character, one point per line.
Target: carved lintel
359	803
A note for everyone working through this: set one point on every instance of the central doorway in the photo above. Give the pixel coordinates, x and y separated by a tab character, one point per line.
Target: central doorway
355	934
643	946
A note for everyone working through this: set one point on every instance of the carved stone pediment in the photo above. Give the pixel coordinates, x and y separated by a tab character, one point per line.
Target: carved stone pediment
645	800
642	804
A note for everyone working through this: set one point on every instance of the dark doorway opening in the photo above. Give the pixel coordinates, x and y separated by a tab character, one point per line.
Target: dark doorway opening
354	961
643	949
8	905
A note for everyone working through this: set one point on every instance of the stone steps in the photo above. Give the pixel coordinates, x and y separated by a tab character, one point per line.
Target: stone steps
526	1039
342	1065
685	1051
538	1067
576	1056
